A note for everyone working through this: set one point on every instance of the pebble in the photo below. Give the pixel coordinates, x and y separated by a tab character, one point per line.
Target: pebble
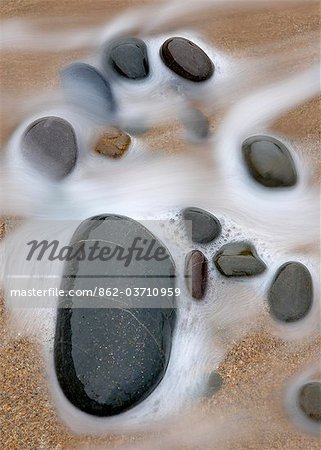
310	400
269	162
88	90
205	227
196	274
290	296
111	355
196	124
215	383
113	143
238	259
186	59
128	57
50	146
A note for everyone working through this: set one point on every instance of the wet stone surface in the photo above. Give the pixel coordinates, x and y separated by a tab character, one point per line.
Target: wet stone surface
113	143
309	400
86	88
238	259
205	226
49	144
128	58
186	59
269	162
196	274
111	352
290	296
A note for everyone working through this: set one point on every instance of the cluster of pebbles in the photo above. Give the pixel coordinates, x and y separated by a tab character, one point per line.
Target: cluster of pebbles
105	370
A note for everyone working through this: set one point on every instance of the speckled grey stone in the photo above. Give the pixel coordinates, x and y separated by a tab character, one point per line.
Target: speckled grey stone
87	89
110	358
49	144
309	400
196	274
238	259
205	226
290	296
128	57
269	162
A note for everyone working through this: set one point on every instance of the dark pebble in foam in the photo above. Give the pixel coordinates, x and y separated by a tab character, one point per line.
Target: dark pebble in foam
186	59
110	358
309	400
238	259
290	295
196	274
50	146
87	89
269	162
204	226
128	57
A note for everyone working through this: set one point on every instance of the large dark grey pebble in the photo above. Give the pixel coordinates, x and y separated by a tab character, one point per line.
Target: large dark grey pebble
88	89
109	356
128	57
186	59
290	296
205	226
49	144
269	162
196	273
238	259
309	400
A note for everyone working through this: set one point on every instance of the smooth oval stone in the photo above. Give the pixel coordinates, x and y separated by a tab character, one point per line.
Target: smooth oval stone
197	125
269	162
50	146
238	259
186	59
111	354
291	293
196	273
205	226
309	400
87	89
128	57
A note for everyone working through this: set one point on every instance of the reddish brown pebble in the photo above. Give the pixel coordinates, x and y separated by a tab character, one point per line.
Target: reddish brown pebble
113	143
196	271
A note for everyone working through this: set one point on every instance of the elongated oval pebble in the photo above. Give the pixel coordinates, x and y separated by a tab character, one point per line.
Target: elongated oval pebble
196	274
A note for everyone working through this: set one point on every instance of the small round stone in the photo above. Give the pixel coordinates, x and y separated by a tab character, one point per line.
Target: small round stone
290	296
50	146
238	259
128	57
186	59
196	274
205	226
269	162
309	400
113	143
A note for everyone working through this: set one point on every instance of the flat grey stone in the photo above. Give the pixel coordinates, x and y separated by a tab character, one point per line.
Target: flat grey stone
269	162
196	274
128	57
309	400
205	227
290	296
111	352
238	259
49	145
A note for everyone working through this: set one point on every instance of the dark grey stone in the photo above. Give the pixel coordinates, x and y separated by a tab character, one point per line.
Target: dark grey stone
205	226
196	274
309	400
215	383
186	59
238	259
110	353
128	57
88	89
49	144
291	293
269	162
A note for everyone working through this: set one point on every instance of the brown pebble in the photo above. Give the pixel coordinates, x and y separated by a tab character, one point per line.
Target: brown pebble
113	143
196	272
